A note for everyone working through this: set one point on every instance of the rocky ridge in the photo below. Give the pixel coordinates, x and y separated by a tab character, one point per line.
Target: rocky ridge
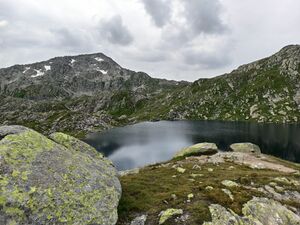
86	93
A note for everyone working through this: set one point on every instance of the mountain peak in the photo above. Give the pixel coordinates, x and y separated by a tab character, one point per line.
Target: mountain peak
290	47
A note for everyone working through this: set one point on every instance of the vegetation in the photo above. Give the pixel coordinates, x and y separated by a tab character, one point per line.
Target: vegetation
159	187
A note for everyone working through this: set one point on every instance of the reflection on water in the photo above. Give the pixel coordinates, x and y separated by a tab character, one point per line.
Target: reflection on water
150	142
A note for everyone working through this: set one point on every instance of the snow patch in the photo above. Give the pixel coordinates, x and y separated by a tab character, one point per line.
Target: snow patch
38	73
26	69
73	61
99	59
47	68
103	71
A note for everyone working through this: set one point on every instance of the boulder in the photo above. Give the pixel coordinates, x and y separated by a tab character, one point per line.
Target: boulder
245	147
197	150
140	220
169	213
230	183
58	181
256	211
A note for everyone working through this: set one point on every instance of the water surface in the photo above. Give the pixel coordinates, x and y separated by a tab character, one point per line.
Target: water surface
151	142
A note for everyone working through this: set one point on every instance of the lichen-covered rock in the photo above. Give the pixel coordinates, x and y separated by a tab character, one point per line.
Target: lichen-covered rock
258	211
167	214
270	212
128	172
198	149
245	147
222	216
54	182
230	183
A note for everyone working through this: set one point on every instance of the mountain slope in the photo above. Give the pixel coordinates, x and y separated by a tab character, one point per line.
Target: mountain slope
92	92
267	90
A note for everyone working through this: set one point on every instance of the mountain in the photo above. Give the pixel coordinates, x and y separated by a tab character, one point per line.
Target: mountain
77	93
80	94
267	90
69	77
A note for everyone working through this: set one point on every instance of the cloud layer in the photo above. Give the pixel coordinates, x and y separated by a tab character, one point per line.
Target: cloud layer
175	39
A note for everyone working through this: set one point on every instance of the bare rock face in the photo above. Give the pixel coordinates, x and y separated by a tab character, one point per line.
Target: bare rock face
245	147
59	181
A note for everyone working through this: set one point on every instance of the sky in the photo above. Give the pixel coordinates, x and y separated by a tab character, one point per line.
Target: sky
172	39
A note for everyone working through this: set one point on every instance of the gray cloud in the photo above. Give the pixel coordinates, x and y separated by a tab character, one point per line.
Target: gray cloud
73	39
115	31
204	16
205	60
187	39
159	10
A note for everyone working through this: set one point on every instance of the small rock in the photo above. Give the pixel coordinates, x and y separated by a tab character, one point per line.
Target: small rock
167	214
245	147
231	167
282	180
190	196
194	175
180	170
209	188
210	170
278	188
128	172
140	220
229	183
273	184
123	117
182	219
227	192
173	196
196	167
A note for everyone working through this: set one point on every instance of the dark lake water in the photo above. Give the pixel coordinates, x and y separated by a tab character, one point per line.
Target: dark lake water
151	142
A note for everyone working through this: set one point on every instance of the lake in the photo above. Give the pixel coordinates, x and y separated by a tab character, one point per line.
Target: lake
151	142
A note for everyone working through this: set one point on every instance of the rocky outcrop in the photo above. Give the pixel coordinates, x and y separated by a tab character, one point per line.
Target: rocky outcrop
256	211
58	181
197	150
245	147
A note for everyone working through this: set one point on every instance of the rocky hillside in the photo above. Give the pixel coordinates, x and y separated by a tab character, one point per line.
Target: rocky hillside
267	90
85	93
77	93
69	77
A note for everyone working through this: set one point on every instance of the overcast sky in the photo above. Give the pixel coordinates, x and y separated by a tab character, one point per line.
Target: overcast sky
174	39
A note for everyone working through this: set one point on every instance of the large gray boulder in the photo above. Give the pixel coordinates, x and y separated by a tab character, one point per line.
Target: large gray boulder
245	147
197	150
258	211
59	181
